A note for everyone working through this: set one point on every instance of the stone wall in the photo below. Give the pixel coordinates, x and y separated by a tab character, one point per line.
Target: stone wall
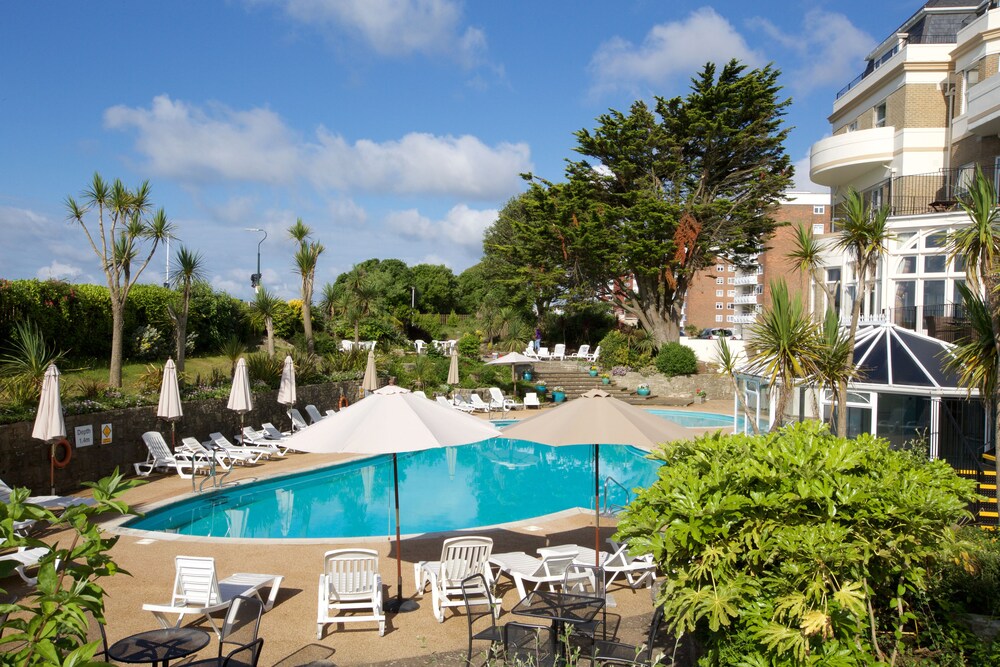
24	461
715	385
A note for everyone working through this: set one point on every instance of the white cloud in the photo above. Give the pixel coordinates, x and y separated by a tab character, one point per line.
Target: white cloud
195	145
801	182
395	27
461	225
669	49
346	213
57	270
828	48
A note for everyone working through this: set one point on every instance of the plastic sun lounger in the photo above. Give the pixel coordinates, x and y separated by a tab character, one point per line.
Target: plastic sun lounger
160	456
198	592
636	569
522	568
48	502
243	454
25	557
314	413
298	421
350	582
259	440
461	557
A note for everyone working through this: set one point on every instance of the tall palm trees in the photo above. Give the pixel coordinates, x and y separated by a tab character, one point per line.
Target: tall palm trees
263	309
188	269
306	258
783	345
979	244
864	236
124	223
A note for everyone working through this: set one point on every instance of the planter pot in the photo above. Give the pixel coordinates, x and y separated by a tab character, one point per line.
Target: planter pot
540	389
527	375
606	380
642	392
702	399
558	396
593	374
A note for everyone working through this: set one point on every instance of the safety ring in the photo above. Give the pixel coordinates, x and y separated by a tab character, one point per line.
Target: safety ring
67	451
343	401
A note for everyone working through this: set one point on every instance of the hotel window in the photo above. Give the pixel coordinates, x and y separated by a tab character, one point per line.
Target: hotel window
853	127
720	268
819	228
971	79
758	289
936	240
730	318
718	306
907	264
731	292
880	115
718	293
935	263
730	306
731	281
718	318
720	281
732	268
819	209
959	266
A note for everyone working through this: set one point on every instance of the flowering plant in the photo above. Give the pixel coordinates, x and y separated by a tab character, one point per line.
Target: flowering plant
539	383
700	393
605	375
643	386
558	389
593	368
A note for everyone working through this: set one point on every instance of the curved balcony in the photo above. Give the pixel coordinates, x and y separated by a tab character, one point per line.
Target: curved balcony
842	158
983	113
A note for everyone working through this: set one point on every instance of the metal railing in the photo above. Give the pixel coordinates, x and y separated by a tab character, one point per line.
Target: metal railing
610	484
875	65
947	321
919	194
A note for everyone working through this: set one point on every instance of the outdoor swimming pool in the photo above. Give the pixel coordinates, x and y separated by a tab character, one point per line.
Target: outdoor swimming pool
697	419
496	481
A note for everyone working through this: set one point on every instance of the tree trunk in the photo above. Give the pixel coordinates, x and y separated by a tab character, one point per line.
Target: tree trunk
307	327
269	325
841	403
180	328
357	331
117	331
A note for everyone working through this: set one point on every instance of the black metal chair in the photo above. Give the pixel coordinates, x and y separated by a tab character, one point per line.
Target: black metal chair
618	653
96	633
528	645
239	630
590	580
476	587
244	656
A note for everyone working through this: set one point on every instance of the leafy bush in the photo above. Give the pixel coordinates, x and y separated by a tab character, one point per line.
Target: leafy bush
970	577
614	350
148	342
795	547
264	369
676	359
469	345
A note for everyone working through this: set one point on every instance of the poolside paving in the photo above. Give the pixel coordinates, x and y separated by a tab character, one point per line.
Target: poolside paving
289	629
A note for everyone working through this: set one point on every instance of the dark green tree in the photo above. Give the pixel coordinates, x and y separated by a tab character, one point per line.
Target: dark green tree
662	192
437	288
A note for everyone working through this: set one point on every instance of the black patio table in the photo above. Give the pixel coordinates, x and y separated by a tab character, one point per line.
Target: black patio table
560	608
159	647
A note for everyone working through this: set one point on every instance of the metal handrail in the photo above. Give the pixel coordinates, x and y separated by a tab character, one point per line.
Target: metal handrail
607	504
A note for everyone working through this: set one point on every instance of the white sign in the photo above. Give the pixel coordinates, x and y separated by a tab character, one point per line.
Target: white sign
105	434
84	436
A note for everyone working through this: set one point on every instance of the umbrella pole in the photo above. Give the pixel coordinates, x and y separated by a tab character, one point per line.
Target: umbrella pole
597	505
52	467
398	605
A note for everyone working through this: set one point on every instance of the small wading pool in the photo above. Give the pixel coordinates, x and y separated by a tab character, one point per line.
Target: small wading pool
493	482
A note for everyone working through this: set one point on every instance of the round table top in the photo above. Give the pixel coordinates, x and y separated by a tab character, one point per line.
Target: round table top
159	645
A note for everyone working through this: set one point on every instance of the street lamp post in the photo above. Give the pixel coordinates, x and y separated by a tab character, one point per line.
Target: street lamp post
255	278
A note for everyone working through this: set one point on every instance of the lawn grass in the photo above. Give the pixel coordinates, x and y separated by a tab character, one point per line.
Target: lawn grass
93	370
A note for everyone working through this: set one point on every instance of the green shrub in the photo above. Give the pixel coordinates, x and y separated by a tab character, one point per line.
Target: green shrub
264	369
676	359
971	576
470	345
618	349
789	548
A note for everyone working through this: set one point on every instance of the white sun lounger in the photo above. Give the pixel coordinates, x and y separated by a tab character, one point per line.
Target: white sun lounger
498	402
298	421
48	502
160	456
25	557
478	403
350	581
461	557
243	454
314	413
198	592
531	400
444	401
259	440
616	563
522	568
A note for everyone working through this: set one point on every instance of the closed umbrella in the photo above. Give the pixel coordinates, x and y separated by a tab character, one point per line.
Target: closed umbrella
370	383
169	407
453	368
513	359
240	398
390	421
286	390
595	418
49	423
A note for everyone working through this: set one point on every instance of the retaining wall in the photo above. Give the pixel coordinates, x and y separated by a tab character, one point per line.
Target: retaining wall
24	461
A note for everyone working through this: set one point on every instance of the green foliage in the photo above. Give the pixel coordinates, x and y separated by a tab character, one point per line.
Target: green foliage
148	342
264	369
470	345
675	359
23	365
617	349
794	547
48	626
970	574
437	288
427	327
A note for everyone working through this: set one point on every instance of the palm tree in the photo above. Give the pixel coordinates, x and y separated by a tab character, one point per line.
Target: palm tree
783	345
864	236
328	301
359	300
807	256
188	269
728	364
835	360
306	258
123	223
263	309
979	245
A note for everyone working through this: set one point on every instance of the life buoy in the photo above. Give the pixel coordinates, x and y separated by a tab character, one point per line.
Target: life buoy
343	401
67	451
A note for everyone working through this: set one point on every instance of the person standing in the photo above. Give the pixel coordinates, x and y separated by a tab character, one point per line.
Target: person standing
538	339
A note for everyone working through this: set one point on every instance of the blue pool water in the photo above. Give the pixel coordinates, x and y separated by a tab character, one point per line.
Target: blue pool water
697	419
492	482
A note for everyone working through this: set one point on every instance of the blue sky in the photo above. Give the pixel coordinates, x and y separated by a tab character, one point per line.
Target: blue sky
393	129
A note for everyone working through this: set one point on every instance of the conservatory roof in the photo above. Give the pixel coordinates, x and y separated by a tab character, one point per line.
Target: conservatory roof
894	356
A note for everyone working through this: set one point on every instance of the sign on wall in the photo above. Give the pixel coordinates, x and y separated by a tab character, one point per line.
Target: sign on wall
84	435
105	434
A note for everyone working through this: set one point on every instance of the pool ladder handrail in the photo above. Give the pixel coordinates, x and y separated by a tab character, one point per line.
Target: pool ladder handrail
607	507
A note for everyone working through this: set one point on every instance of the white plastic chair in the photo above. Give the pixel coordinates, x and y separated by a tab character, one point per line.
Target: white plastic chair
243	454
461	557
531	400
498	402
543	353
197	591
478	404
595	354
350	581
160	456
48	502
444	401
522	568
559	352
583	352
